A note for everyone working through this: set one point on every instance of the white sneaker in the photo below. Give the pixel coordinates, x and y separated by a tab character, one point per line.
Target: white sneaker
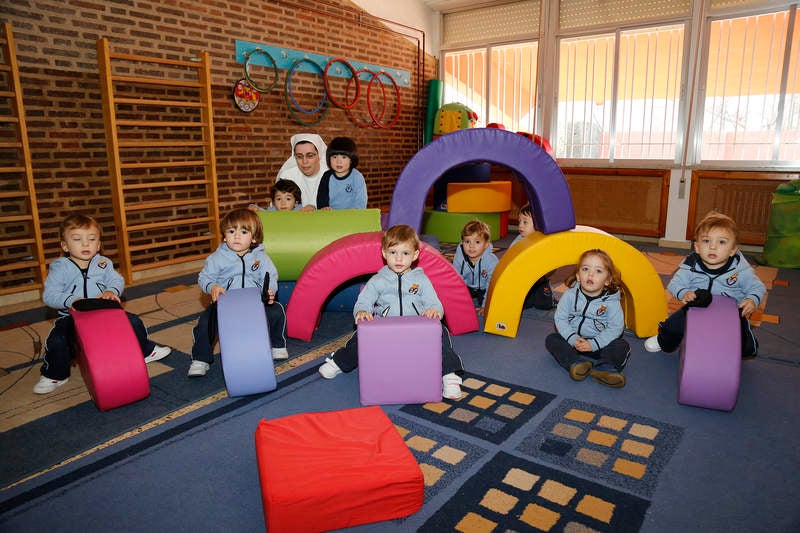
329	369
280	354
651	344
47	385
198	368
451	386
159	352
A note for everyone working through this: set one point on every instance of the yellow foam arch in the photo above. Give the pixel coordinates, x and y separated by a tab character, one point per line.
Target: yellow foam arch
643	301
479	197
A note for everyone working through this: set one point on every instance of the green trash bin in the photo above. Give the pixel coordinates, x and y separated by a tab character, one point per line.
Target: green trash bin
782	248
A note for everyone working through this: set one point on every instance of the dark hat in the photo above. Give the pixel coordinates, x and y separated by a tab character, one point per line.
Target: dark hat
343	146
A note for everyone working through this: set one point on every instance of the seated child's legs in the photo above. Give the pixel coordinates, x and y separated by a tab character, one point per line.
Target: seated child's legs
564	354
749	341
276	320
670	332
58	349
615	354
205	333
451	361
141	334
346	358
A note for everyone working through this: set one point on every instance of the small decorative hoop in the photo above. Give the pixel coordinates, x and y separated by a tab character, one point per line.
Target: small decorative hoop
369	100
328	88
250	54
289	93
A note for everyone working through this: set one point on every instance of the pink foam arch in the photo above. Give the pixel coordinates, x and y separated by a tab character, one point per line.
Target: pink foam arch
360	254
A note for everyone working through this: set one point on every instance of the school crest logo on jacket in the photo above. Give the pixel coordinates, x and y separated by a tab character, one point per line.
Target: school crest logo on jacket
732	280
414	289
601	310
255	265
102	264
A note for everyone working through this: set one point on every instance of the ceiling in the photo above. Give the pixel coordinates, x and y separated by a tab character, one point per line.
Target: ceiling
449	6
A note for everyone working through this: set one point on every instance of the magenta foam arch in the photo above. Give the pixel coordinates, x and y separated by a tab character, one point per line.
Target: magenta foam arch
540	175
360	254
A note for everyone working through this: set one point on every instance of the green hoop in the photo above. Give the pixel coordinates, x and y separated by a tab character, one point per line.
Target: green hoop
247	56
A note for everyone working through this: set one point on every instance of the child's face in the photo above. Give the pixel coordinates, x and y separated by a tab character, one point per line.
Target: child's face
474	245
238	239
715	247
593	275
81	244
400	256
340	164
284	201
525	225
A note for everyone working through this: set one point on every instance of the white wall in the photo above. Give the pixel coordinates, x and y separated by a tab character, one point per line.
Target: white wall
413	13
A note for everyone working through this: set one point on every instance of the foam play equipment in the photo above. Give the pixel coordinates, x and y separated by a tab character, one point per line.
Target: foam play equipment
453	116
447	226
335	470
540	175
342	298
399	360
711	356
490	197
469	172
360	254
109	357
643	300
244	343
292	237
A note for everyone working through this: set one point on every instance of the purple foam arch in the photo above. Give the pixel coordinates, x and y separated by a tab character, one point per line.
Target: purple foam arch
540	175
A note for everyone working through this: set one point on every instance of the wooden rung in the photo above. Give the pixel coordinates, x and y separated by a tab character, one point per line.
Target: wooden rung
15	218
161	144
165	164
164	184
157	60
19	265
5	68
9	170
14	194
8	94
156	81
10	144
176	242
168	203
167	223
155	102
19	242
9	119
175	261
162	123
21	288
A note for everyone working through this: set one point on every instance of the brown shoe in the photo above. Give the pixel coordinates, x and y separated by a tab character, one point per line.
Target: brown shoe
579	371
615	380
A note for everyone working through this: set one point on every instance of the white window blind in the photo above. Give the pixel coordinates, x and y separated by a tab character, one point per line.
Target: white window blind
574	14
495	23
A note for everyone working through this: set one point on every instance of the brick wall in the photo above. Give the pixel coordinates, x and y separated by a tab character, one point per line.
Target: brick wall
55	44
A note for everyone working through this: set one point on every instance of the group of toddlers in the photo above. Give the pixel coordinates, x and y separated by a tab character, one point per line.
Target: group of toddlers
589	322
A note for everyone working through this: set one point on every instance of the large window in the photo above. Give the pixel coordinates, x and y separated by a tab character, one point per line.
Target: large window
498	83
620	104
751	106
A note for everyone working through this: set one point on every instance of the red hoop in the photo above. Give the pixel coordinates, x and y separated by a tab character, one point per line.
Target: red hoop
327	83
349	110
369	100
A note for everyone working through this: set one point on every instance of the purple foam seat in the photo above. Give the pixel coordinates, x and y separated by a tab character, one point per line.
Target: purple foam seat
400	360
244	343
711	356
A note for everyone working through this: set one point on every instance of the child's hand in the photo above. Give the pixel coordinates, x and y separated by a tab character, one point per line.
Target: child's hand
216	292
329	208
306	208
108	295
254	208
480	310
582	345
688	297
747	306
432	313
363	315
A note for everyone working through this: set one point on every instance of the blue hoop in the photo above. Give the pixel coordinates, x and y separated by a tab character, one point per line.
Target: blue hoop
289	86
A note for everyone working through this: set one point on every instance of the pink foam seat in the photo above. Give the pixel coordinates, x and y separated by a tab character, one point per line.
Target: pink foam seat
110	358
327	471
711	356
400	360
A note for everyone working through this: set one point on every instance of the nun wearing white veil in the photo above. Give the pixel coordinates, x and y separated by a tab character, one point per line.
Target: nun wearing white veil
306	166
